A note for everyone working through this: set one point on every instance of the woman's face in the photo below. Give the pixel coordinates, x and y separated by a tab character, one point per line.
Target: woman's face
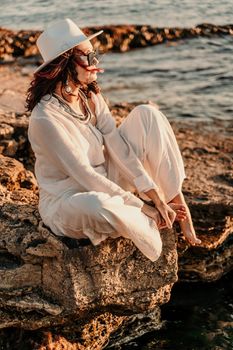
87	74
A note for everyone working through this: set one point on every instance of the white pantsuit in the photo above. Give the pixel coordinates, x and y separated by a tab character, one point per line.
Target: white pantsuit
86	174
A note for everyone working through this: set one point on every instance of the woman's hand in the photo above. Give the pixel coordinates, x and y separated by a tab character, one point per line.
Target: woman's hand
152	213
167	213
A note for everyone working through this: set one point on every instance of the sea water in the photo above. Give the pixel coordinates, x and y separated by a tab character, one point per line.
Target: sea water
191	78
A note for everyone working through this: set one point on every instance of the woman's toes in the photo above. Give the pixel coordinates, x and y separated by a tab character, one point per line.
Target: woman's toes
192	239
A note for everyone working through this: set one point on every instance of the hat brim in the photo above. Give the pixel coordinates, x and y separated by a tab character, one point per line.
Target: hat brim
69	48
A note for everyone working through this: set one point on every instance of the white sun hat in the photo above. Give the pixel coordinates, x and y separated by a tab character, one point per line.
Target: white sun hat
59	38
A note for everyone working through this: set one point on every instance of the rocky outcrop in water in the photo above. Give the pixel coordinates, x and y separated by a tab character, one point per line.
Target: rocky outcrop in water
22	44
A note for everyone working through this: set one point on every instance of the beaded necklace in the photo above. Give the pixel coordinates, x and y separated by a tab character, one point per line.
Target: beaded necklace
83	118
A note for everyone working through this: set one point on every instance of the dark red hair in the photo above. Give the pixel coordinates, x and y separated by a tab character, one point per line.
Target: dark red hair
46	79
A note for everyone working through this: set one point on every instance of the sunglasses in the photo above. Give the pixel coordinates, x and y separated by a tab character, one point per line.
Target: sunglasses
87	59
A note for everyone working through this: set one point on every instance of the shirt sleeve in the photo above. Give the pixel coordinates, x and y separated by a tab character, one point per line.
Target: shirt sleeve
55	143
121	151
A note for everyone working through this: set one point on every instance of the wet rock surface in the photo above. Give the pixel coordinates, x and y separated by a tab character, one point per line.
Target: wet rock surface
22	44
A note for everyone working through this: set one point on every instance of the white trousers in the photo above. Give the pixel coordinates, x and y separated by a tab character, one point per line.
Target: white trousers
97	215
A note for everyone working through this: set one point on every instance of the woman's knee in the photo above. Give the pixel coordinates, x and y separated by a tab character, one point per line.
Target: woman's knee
144	109
147	114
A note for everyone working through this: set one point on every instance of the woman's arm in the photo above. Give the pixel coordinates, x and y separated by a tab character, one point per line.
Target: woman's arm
52	140
166	212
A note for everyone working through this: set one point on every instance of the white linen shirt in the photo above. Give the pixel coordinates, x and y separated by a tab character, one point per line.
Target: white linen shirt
70	154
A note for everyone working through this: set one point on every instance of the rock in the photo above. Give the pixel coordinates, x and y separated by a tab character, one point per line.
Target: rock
209	192
134	327
116	38
92	335
12	89
46	280
105	329
13	137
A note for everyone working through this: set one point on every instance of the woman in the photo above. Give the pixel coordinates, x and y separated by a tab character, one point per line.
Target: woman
86	168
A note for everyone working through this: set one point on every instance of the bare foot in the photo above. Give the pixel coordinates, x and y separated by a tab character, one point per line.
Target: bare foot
186	223
180	211
183	216
189	232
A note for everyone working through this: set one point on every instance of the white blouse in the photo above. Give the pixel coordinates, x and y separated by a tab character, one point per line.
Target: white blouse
72	156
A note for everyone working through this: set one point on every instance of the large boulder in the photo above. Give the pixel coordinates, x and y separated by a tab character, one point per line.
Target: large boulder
46	280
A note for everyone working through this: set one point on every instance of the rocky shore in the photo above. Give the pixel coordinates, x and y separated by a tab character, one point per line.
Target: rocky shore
81	294
21	45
